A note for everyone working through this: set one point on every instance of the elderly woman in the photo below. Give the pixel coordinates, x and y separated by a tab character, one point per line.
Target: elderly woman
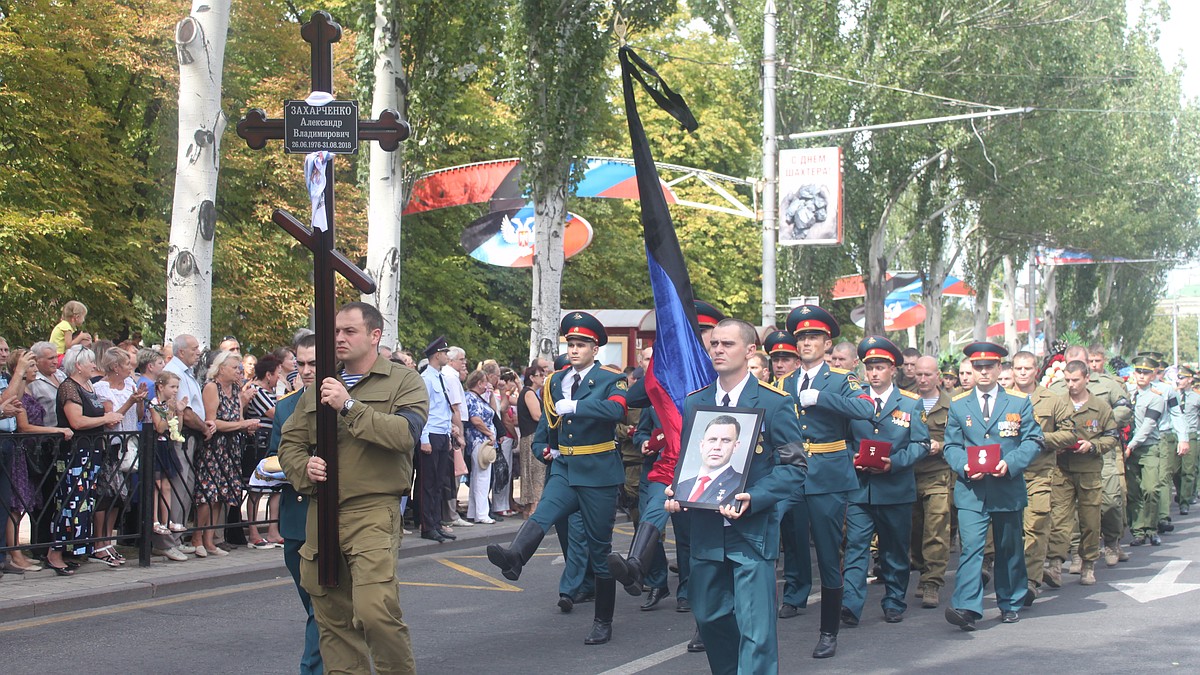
529	412
25	496
80	410
505	404
219	471
118	392
480	429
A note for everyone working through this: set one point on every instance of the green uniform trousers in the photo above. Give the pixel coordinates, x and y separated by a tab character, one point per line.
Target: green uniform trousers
1189	472
360	619
930	541
1168	465
1112	498
629	491
1141	475
1037	522
1075	494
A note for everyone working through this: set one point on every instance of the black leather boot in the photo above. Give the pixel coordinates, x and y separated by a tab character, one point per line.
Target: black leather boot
629	571
831	610
606	602
510	560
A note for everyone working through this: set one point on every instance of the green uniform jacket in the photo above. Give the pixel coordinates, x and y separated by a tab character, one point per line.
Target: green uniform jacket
601	405
1094	422
1053	415
900	422
935	420
1019	444
376	439
1148	409
1109	389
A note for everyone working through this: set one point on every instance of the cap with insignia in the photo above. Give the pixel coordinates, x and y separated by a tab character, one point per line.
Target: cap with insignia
780	342
1160	361
1185	371
812	319
950	369
879	348
561	361
984	351
1145	363
438	345
707	315
583	326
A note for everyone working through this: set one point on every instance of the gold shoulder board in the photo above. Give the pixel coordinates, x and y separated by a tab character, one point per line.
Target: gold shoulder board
912	395
963	395
771	387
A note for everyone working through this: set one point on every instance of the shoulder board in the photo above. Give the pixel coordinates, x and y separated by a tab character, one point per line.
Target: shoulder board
909	394
771	387
839	371
962	395
612	369
289	394
1016	392
700	389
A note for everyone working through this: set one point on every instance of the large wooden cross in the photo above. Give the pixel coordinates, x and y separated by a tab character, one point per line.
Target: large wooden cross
389	130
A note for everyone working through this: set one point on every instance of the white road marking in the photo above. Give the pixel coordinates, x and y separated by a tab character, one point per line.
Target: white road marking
1163	585
648	662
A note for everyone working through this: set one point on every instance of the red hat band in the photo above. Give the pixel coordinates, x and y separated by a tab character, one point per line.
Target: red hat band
985	356
876	353
580	331
707	321
785	348
808	325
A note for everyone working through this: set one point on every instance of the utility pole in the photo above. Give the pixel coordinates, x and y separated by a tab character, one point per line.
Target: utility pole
769	163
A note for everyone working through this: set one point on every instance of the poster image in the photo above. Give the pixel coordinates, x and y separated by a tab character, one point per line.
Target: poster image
714	454
810	196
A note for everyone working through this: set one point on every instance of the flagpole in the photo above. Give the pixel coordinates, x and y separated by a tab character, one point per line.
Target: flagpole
770	179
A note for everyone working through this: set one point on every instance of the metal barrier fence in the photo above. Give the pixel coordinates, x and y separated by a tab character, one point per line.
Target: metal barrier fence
98	489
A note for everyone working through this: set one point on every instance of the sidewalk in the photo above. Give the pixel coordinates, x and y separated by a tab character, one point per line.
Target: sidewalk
40	594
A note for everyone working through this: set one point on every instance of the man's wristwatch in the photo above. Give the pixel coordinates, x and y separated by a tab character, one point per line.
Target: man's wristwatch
347	406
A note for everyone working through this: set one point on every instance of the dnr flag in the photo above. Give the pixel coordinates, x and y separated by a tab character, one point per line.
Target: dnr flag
680	364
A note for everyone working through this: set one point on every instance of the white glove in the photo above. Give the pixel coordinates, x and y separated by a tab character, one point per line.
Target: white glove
565	407
808	397
554	453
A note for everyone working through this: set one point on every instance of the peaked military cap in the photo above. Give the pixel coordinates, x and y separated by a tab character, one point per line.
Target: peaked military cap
561	361
438	345
985	351
1185	371
781	342
1145	362
811	318
583	326
879	347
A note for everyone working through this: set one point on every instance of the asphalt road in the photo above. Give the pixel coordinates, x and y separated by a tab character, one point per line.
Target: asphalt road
465	618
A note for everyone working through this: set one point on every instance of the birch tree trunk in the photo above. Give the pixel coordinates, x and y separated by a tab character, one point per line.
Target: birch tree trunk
386	178
549	219
200	50
1010	305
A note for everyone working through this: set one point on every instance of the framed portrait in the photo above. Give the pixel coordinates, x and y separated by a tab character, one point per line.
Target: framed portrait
714	454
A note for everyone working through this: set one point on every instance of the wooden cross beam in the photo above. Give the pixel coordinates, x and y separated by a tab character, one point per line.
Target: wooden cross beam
389	131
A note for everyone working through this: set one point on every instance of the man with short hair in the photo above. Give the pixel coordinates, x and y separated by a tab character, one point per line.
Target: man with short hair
1076	490
44	387
293	505
781	347
453	377
1174	442
906	377
230	344
760	367
844	356
196	430
966	378
882	506
932	511
1189	470
717	479
734	548
1006	379
990	424
1053	415
382	407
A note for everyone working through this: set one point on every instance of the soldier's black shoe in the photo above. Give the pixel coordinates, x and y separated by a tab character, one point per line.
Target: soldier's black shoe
848	617
565	603
826	646
628	571
433	535
1165	526
682	605
580	597
511	560
1139	540
1155	540
963	618
787	611
447	534
893	615
696	644
1184	508
601	632
1009	616
654	597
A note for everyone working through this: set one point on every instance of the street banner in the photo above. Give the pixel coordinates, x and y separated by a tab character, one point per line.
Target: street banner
810	197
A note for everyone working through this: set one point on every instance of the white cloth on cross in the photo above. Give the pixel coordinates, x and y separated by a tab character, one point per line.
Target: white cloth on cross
314	177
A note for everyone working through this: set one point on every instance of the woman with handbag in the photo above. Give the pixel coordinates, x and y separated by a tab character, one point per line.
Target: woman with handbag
480	430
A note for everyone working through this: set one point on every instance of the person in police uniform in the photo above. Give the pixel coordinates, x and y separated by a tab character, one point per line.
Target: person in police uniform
293	505
883	503
1142	459
1077	493
983	416
382	408
1174	441
1189	469
828	399
780	345
932	510
734	548
582	406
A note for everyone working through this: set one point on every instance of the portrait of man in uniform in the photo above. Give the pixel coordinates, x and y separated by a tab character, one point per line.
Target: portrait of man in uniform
715	452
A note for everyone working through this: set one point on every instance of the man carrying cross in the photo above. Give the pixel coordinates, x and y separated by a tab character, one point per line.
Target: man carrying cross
382	409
